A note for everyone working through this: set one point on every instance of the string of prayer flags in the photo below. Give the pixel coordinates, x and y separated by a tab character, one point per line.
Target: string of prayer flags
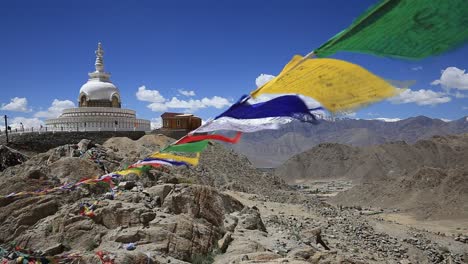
411	29
337	85
192	138
106	178
282	106
167	156
188	147
19	255
68	186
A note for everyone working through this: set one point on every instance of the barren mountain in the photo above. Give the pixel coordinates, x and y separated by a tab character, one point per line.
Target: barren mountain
333	160
273	147
428	178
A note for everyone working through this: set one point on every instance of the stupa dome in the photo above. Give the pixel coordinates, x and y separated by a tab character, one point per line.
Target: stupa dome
99	91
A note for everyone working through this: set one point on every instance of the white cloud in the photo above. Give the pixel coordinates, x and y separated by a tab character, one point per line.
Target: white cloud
460	95
263	78
156	123
193	105
27	123
160	104
421	97
17	104
385	119
55	109
186	93
445	120
152	96
453	78
417	68
158	107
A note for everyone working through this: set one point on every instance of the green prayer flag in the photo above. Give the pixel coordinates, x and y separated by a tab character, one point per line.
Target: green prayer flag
188	147
412	29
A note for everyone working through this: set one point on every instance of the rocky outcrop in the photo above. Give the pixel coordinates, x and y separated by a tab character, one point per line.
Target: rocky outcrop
73	169
189	223
225	169
19	215
10	157
201	202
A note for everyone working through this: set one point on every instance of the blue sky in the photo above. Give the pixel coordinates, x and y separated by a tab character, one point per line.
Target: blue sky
213	48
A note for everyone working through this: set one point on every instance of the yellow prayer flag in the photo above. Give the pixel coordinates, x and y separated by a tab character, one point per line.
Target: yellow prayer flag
193	161
338	85
129	171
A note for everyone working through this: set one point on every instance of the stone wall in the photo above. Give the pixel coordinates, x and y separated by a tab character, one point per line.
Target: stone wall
41	142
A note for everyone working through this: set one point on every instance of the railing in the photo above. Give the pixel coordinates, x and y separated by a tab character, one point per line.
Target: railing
40	130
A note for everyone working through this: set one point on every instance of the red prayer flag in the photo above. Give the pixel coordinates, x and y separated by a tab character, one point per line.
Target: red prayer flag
190	138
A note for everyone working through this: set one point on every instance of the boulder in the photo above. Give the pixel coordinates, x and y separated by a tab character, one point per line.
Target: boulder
224	242
116	215
72	169
84	145
54	250
250	219
60	152
10	157
230	222
160	191
201	202
302	253
147	217
17	216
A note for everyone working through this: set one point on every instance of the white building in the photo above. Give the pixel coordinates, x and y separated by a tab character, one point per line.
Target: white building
99	107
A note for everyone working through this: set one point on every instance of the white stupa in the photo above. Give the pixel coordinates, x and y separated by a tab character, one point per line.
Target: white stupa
99	106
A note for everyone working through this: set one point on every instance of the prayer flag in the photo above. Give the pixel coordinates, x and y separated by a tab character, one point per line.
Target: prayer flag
164	162
188	147
191	138
412	29
244	125
136	171
149	163
193	161
337	85
286	105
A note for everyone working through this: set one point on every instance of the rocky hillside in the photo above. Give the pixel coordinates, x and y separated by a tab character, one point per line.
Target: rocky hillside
428	178
333	160
427	193
185	215
273	147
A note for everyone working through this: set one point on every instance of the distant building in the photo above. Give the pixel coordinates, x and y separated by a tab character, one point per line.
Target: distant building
180	121
99	108
177	125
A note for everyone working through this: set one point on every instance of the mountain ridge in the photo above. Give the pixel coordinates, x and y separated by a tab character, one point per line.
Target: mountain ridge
271	148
